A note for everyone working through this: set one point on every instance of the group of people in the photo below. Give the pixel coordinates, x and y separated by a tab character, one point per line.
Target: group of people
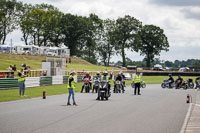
71	83
97	77
179	81
13	69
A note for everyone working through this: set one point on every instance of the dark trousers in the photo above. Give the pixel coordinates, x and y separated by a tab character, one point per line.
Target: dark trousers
137	88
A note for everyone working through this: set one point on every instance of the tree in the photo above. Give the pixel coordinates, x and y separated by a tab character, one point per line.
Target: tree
106	42
9	10
40	24
25	24
94	26
126	35
168	63
153	42
73	29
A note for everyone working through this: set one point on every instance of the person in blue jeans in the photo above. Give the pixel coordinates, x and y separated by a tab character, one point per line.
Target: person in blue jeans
21	83
197	82
71	87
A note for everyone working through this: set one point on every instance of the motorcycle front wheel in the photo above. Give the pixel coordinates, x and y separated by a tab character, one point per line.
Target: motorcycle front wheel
144	85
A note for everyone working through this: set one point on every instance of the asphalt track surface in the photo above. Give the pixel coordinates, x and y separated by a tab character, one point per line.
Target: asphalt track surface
157	110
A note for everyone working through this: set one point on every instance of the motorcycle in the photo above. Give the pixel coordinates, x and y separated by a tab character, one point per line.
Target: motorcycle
103	92
87	85
118	87
143	84
181	84
166	84
190	83
96	85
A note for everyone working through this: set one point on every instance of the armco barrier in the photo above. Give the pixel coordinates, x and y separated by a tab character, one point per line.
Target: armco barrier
80	78
7	83
65	79
45	80
32	81
57	80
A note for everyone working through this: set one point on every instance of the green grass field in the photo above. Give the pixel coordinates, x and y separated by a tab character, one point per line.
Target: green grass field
13	94
35	62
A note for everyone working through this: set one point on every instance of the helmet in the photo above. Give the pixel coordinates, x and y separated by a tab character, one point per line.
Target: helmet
87	73
72	72
98	73
105	73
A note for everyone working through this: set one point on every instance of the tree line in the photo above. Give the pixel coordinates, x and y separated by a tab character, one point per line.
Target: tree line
191	63
89	37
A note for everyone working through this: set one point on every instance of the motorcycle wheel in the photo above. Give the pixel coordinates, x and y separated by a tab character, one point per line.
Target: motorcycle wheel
185	87
191	85
133	85
163	85
144	85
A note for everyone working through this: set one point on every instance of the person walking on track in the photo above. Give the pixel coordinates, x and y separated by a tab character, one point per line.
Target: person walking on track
71	87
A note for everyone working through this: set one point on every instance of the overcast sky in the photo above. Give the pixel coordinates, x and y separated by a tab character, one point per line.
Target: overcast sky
180	20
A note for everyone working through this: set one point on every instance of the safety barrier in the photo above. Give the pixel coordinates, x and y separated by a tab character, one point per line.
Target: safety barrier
79	78
32	81
57	80
28	73
45	80
6	83
65	79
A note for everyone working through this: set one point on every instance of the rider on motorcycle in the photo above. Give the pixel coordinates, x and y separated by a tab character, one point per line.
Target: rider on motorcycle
107	78
171	80
123	79
98	77
119	78
197	82
89	77
179	81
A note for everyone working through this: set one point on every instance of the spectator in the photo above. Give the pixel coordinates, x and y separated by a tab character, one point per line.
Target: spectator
197	82
14	68
27	70
69	60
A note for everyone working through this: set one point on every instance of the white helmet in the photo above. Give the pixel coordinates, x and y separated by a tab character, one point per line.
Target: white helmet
72	72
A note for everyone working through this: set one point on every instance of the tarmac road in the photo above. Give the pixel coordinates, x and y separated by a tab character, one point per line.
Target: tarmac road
157	110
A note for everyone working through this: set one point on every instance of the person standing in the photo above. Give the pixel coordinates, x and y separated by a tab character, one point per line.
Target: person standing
21	83
71	87
137	81
197	82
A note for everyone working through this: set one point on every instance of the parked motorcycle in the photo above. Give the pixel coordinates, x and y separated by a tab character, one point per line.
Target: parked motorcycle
143	84
103	92
181	84
166	84
190	83
96	85
118	87
87	85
